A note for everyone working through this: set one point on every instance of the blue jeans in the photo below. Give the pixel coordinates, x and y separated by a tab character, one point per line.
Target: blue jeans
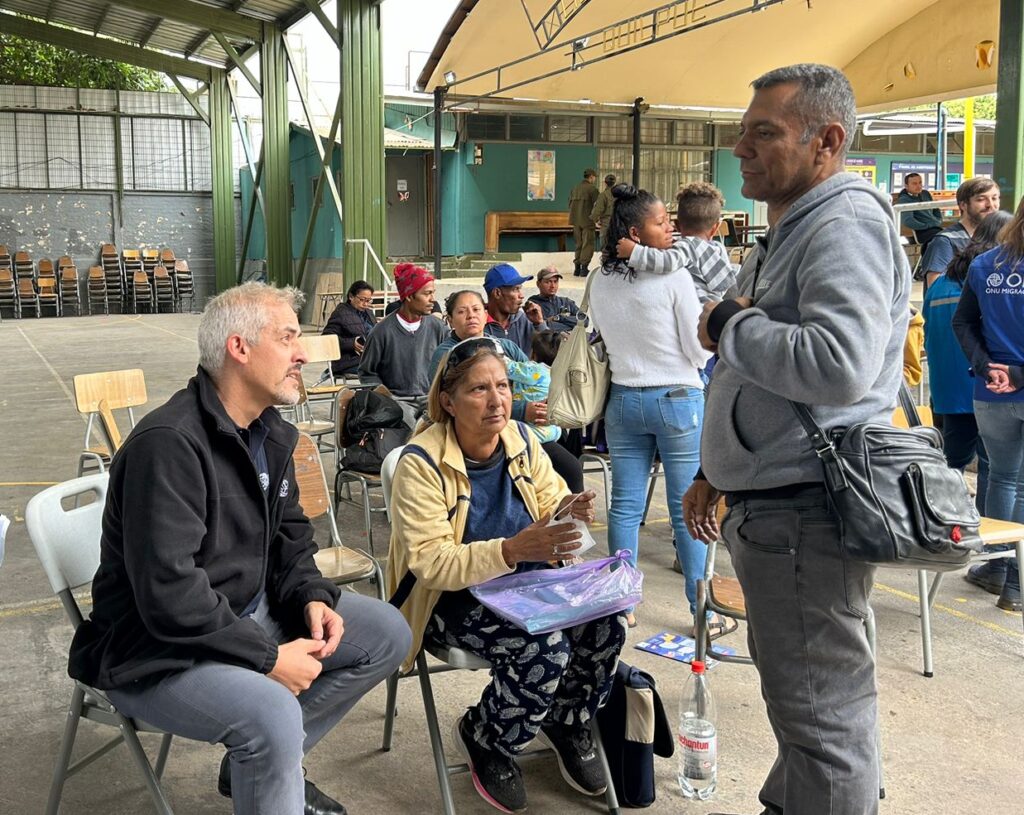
1001	425
266	729
638	423
961	442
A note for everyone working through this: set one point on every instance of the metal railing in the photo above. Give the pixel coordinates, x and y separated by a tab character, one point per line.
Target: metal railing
368	253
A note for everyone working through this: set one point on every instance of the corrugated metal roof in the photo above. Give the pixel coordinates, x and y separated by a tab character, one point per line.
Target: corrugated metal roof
162	28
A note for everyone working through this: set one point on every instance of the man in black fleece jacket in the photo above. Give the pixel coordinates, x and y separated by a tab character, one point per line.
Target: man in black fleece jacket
210	619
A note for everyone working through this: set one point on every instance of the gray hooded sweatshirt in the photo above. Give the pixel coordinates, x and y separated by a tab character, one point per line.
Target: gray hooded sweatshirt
831	288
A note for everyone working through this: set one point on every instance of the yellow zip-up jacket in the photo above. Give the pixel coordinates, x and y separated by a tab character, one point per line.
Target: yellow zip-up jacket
429	506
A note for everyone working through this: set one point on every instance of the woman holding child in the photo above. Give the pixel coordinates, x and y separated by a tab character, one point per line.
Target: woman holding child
656	403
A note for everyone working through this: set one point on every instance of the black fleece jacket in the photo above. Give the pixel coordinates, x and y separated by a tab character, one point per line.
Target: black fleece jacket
189	540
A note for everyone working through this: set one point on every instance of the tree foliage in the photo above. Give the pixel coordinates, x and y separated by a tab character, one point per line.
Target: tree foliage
28	62
984	107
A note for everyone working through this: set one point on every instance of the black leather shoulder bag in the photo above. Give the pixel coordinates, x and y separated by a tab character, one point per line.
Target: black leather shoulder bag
899	504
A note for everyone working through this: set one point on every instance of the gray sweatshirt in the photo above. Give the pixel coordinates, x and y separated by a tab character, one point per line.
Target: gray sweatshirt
400	360
830	291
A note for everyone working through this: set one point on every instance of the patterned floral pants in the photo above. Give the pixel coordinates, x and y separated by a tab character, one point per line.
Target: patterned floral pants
563	676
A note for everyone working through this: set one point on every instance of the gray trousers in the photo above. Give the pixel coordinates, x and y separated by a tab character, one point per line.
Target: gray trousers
266	729
806	606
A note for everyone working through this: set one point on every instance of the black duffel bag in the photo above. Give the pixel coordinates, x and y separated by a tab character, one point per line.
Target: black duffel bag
900	505
369	410
368	454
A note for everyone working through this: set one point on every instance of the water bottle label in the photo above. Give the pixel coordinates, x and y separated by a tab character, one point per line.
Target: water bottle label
700	753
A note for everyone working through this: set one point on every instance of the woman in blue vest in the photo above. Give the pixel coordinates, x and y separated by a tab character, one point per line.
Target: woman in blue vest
989	322
949	377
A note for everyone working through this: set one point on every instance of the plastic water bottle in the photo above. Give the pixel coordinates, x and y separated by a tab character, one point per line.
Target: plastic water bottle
698	737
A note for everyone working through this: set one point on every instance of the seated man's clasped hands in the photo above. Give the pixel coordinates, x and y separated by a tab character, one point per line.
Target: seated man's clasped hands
472	498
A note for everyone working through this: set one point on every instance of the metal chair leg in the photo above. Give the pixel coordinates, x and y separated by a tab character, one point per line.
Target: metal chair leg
1020	562
131	741
436	746
651	480
67	744
610	798
368	515
926	621
161	757
390	711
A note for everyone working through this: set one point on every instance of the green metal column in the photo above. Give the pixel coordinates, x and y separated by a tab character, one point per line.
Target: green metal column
1009	159
276	193
362	131
223	183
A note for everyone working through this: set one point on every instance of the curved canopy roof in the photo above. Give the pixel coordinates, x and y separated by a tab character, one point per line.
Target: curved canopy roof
183	37
704	53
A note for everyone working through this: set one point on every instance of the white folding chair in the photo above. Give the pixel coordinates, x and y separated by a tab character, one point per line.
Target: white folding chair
67	542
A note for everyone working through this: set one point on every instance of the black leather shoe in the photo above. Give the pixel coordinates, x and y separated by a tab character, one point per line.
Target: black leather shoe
320	803
317	801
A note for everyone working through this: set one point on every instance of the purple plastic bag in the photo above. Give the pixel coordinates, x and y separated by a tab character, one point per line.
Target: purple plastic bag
553	599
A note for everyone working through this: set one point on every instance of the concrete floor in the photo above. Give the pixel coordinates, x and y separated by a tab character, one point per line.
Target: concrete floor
950	744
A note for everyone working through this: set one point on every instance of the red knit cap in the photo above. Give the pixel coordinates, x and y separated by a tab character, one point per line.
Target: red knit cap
410	279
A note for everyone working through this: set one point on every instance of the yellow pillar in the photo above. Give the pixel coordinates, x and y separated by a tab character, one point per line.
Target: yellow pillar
969	138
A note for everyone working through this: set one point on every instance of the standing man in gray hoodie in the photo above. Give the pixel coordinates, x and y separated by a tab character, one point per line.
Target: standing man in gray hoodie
819	316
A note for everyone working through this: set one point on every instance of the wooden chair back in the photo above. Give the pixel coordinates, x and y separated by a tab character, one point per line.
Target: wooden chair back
69	274
314	497
167	257
108	249
64	261
6	277
26	289
109	426
119	389
141	279
96	274
321	347
46	268
22	257
160	272
181	266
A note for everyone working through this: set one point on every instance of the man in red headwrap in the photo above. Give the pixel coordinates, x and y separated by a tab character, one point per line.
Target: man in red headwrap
399	348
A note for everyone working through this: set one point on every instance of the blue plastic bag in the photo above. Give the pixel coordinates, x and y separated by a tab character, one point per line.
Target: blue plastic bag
553	599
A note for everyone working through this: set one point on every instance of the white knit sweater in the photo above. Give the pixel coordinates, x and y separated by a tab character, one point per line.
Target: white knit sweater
649	326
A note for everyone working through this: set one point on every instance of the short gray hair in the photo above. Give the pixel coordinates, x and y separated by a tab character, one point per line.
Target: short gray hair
241	310
824	96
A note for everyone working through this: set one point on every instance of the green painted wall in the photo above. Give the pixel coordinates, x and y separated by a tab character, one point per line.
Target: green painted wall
469	191
727	179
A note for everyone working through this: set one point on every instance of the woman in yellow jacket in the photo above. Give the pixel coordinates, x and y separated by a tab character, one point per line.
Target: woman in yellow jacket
470	501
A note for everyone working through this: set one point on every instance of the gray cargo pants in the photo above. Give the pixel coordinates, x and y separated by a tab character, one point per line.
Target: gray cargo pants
806	606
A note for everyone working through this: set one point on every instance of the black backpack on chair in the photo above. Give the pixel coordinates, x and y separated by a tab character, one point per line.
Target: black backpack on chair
634	728
376	425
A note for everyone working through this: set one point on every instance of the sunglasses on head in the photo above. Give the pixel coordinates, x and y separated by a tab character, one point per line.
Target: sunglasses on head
462	351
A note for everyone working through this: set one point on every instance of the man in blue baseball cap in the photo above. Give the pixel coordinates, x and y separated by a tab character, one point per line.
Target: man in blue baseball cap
506	317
